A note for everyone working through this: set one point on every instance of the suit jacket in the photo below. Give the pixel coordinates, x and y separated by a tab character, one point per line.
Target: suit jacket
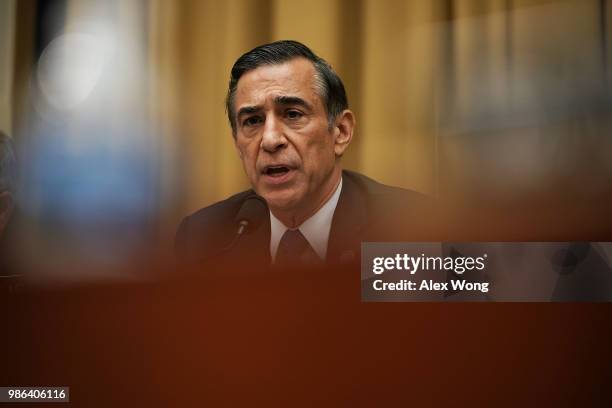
366	211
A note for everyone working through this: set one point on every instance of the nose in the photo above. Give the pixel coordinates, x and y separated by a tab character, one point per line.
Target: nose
273	138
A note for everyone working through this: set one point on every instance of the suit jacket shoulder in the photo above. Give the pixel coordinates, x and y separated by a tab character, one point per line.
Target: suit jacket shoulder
371	211
366	211
381	195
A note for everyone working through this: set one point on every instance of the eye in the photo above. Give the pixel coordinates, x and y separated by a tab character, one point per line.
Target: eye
251	121
293	114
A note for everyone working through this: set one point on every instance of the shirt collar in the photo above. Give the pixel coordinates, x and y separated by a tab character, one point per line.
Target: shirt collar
315	229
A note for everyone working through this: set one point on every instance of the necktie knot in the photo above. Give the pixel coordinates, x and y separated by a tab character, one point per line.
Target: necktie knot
295	250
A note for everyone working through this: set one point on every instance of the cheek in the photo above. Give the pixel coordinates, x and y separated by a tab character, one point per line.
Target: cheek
323	152
247	153
317	162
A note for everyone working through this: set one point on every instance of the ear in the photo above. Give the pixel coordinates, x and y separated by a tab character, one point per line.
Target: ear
343	131
6	209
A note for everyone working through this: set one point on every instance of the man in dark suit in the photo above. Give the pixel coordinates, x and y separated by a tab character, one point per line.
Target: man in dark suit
7	181
291	125
8	173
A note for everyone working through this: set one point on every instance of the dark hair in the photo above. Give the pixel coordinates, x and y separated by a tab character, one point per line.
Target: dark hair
331	88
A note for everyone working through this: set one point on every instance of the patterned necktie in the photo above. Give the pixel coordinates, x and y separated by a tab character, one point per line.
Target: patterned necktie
295	251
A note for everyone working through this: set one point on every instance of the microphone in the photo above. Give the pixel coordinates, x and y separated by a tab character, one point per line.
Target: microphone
251	214
249	217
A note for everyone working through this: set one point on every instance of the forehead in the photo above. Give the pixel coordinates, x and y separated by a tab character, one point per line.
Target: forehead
292	78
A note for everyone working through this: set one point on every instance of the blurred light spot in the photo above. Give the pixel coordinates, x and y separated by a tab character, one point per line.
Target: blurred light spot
71	66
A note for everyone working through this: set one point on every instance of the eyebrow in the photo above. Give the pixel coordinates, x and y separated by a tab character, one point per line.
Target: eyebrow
292	100
245	110
280	100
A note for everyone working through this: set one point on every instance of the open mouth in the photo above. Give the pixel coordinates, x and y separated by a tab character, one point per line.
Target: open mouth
276	171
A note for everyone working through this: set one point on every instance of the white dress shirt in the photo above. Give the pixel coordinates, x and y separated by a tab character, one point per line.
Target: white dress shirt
315	229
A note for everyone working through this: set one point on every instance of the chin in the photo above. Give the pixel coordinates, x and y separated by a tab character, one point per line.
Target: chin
283	200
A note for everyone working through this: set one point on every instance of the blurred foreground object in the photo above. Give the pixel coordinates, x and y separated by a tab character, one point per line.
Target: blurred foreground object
90	190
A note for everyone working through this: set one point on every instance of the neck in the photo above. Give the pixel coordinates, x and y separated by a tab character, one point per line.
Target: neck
294	217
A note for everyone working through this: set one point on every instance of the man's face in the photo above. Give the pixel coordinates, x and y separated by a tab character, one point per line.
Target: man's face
283	138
